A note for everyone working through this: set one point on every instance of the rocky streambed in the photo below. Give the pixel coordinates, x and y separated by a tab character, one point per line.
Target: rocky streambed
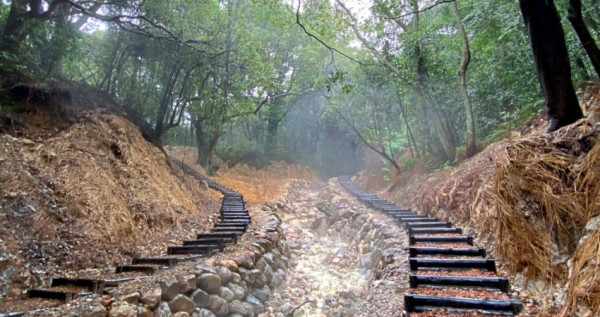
345	260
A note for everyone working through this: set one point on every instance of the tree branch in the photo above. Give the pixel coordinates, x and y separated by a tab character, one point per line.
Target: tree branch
367	143
422	10
332	49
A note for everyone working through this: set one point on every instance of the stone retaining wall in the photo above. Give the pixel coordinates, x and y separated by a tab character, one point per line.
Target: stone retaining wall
234	283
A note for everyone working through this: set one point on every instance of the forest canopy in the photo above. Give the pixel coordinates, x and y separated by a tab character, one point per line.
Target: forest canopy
308	81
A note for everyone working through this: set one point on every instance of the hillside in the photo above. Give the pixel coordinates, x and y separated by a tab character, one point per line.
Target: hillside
534	201
80	187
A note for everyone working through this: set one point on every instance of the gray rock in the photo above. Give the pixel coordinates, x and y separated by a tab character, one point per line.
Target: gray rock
163	310
200	298
169	289
181	303
218	305
269	257
205	269
277	279
261	280
245	261
236	278
268	272
370	260
250	308
181	314
237	307
205	313
249	275
263	293
238	292
144	311
225	274
151	297
132	298
187	283
286	307
226	294
261	263
256	303
123	310
96	311
209	282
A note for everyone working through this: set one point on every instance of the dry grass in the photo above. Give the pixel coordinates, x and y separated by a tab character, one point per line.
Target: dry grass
115	185
257	185
530	200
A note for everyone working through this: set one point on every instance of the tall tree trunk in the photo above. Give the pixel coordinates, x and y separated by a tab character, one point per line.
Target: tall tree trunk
13	33
271	141
165	104
206	145
462	83
409	133
551	61
575	16
16	28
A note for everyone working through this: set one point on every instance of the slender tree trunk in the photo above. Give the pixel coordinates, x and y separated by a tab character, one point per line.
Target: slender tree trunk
271	141
462	83
409	134
587	41
159	125
551	61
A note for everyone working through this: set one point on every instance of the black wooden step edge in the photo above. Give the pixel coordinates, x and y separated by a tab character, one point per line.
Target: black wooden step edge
231	224
47	294
170	262
414	251
418	224
415	303
241	230
486	264
217	244
417	219
500	283
230	235
400	213
413	231
190	250
94	286
441	239
147	269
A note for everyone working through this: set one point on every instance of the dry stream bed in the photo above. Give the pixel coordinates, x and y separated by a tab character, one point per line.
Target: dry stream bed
346	260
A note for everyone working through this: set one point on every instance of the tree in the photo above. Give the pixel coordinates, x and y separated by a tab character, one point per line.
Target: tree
575	16
462	83
552	62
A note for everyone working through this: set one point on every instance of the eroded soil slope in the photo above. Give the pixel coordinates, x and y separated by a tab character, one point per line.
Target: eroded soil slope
84	189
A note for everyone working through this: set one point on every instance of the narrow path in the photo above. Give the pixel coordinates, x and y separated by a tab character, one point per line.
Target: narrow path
346	260
449	276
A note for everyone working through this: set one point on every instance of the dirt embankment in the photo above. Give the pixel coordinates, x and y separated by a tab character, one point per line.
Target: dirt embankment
82	188
257	185
534	201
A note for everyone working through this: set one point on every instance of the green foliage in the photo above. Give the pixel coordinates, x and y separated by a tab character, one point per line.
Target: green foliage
243	78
